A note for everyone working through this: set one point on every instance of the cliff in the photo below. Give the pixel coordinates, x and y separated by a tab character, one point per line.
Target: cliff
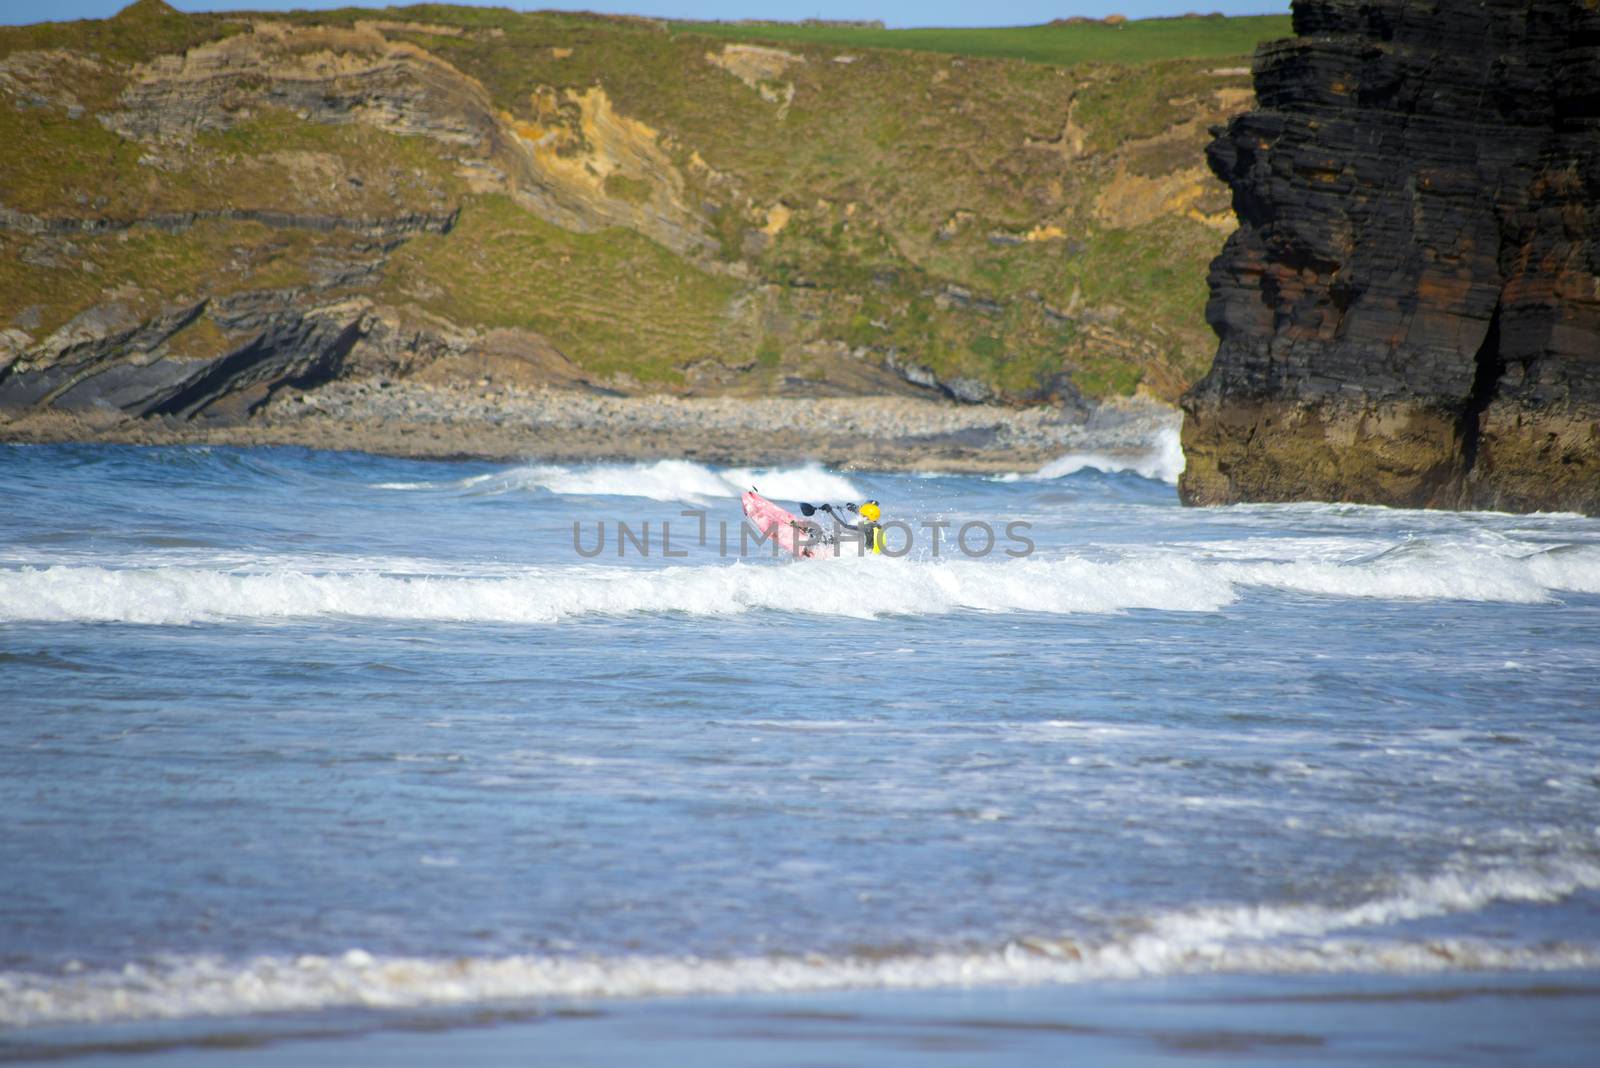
1409	312
198	211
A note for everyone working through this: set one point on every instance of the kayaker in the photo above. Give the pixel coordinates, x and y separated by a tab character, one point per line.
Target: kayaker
869	529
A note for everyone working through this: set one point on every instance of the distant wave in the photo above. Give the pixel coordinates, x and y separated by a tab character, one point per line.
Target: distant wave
1274	939
1174	579
1162	460
1436	570
663	480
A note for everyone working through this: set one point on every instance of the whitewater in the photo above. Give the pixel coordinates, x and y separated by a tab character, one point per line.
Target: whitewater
300	742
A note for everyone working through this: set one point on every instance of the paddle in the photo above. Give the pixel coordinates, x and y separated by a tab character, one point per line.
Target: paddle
813	509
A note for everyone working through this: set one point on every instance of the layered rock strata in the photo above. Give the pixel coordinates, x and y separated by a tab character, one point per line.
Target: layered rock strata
1409	313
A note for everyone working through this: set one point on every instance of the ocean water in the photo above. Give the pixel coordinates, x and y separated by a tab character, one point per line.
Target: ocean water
298	743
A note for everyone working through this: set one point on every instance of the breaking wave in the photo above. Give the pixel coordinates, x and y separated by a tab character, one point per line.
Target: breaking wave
1162	460
1273	939
1434	571
1172	579
845	587
664	480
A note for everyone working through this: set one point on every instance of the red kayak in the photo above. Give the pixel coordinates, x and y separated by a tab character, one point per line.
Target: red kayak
780	523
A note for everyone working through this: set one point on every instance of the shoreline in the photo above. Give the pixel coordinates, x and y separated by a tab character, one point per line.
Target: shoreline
1354	1019
419	421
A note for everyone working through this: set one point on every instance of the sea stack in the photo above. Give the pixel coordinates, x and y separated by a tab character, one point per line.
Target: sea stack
1409	312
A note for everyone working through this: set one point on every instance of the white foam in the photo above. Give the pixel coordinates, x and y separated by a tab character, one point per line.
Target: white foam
1445	571
1161	460
1163	578
204	986
1262	939
1411	898
663	480
845	587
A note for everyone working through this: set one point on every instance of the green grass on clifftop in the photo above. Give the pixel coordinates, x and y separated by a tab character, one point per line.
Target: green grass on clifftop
1062	44
140	33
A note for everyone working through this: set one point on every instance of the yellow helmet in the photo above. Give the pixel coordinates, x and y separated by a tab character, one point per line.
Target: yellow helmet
870	511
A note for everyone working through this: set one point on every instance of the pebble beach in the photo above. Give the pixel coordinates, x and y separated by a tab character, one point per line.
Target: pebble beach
416	420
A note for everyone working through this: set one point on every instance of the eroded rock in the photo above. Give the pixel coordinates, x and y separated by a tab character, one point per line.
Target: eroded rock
1409	312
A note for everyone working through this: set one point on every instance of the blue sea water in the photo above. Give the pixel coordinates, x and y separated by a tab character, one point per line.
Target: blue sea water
286	735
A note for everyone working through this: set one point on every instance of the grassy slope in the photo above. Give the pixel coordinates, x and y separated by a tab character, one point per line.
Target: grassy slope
850	139
633	308
870	160
145	269
77	163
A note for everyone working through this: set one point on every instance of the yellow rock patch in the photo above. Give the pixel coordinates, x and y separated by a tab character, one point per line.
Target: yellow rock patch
1234	100
601	143
1224	222
955	223
581	153
1131	200
753	64
778	217
1069	142
432	29
761	69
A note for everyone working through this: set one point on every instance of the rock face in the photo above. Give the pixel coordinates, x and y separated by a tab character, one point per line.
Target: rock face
1409	313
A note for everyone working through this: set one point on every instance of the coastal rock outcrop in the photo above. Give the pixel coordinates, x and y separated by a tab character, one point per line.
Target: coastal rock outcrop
557	164
108	359
1409	312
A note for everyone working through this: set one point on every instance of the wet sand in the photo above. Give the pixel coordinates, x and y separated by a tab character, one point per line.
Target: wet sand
1350	1020
496	423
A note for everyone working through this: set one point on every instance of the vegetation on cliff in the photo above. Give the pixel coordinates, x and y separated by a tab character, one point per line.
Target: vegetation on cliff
1020	214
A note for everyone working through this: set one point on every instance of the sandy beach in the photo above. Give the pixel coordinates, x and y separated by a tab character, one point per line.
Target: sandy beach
1354	1021
408	419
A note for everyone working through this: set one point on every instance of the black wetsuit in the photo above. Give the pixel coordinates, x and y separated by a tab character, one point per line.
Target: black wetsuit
871	532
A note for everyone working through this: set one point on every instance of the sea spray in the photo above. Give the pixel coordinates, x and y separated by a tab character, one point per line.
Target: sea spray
660	480
1161	460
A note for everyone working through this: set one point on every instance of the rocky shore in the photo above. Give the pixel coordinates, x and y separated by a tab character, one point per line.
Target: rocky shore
400	418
